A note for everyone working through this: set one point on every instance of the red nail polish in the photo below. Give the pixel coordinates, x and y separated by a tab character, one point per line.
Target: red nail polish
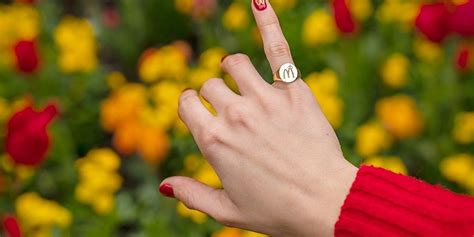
167	190
223	58
260	4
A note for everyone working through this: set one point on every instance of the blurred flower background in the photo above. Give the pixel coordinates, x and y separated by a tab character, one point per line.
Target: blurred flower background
89	90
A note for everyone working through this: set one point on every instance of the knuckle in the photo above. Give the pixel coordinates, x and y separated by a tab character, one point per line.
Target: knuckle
190	200
185	96
236	113
210	136
278	49
210	84
236	59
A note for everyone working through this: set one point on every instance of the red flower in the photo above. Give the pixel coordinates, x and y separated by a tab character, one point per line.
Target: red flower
11	226
462	19
203	9
27	58
433	21
463	58
27	140
343	17
111	17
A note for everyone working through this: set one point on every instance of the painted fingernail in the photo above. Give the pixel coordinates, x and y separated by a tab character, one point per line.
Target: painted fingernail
260	4
223	58
167	190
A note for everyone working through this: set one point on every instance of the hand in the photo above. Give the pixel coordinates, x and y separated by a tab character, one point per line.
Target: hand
279	160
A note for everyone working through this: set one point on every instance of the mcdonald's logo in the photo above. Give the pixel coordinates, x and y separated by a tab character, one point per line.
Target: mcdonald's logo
288	73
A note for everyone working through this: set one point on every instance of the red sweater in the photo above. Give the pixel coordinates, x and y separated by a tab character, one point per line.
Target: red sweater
381	203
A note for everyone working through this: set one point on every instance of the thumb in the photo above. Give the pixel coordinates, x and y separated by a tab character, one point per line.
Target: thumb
198	196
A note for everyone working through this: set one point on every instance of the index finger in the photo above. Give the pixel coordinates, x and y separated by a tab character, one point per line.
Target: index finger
274	42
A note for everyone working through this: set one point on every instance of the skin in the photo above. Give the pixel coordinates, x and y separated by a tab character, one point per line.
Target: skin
279	160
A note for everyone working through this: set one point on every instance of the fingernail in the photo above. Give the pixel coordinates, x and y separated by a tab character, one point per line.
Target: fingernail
185	89
223	58
167	190
260	4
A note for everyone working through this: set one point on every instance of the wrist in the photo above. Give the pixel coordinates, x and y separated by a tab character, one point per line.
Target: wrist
330	201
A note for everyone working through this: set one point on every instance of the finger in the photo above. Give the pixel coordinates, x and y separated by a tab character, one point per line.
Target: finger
192	111
274	42
216	92
275	45
198	196
241	69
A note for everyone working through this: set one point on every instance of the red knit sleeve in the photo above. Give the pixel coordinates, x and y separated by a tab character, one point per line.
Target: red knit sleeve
381	203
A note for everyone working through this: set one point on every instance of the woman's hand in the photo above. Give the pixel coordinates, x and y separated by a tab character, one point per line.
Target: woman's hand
278	158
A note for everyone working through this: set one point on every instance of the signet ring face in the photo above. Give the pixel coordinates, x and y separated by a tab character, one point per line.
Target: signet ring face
287	73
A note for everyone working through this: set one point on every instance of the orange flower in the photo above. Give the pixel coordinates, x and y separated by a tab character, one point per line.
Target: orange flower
400	115
153	145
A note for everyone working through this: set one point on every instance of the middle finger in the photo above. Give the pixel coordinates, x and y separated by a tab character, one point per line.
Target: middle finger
274	42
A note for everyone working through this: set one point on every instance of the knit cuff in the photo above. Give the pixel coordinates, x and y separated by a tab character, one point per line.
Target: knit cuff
382	203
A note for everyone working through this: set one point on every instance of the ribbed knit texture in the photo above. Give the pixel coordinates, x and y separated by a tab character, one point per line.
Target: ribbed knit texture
381	203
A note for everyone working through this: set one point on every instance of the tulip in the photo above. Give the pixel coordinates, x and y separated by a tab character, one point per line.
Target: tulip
203	9
463	58
343	17
462	19
11	226
111	17
27	57
433	21
27	140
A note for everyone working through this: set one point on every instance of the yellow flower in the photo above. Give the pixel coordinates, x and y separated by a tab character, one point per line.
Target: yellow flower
206	174
184	6
98	179
361	9
236	17
234	232
168	62
38	215
281	5
165	96
319	28
196	216
211	59
197	76
333	108
392	163
115	79
227	232
103	204
17	22
458	167
252	234
398	11
463	131
192	162
371	138
324	86
77	46
4	109
394	72
400	115
426	50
